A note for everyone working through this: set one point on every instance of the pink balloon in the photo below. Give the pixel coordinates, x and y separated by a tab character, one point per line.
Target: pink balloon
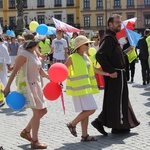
52	91
58	72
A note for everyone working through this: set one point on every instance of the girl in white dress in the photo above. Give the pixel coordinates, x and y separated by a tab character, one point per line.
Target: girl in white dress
34	70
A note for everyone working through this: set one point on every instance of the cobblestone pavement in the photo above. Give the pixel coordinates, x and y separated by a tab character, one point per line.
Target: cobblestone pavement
53	130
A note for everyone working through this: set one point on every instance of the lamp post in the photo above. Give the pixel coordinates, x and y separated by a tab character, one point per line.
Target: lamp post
20	19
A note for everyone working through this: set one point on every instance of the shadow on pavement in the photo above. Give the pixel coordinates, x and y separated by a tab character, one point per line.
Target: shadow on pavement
10	112
102	142
147	104
140	86
25	146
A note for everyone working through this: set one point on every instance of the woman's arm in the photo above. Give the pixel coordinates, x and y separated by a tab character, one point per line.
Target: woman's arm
68	62
18	63
43	73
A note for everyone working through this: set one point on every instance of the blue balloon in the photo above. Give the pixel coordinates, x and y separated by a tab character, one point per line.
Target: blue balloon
15	100
8	32
42	29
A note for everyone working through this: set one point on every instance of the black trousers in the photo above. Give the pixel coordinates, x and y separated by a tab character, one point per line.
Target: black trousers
145	70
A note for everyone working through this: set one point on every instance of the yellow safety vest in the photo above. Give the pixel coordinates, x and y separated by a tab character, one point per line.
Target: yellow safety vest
45	46
81	80
148	43
1	92
72	43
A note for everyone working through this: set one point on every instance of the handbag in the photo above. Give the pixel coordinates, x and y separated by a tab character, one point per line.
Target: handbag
23	86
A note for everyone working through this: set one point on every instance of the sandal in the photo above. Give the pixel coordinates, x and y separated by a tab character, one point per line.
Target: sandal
72	129
87	138
26	135
37	145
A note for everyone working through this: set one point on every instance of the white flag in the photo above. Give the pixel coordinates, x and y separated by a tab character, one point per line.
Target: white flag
1	31
66	27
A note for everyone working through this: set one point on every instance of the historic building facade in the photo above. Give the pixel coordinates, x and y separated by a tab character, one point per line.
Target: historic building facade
87	14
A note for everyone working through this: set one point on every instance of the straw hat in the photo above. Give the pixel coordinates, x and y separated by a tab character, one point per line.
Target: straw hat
81	40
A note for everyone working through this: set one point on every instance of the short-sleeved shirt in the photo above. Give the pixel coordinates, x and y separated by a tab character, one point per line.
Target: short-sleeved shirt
13	49
59	46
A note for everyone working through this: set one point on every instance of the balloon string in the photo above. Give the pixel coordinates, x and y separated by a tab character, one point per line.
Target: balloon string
62	101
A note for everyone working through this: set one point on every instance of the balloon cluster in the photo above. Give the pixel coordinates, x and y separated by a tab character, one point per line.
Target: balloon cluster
92	53
41	29
10	33
58	72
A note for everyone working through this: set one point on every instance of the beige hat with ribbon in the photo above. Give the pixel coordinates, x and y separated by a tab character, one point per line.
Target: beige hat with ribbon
81	40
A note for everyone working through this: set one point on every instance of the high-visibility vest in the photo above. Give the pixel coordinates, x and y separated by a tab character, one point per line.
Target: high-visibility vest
148	43
1	92
72	43
81	79
45	46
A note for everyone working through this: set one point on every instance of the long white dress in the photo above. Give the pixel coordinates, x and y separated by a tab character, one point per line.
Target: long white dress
5	59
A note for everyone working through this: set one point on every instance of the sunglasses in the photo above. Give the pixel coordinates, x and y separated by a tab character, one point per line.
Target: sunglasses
87	44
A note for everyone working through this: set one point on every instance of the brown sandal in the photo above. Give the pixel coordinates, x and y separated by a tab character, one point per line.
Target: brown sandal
72	129
37	145
87	138
24	134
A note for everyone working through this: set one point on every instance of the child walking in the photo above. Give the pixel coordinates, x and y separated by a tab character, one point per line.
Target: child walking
81	85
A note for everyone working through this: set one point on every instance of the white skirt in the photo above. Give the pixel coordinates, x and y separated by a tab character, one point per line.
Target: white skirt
86	102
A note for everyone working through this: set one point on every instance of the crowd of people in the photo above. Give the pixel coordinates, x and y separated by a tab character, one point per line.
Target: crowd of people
29	51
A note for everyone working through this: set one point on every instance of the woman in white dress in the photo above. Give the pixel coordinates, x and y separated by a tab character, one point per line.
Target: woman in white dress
5	62
29	58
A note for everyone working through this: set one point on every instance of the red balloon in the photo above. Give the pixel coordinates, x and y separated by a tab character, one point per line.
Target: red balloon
52	91
58	72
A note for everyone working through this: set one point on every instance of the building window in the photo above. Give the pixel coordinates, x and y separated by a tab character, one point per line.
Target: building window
87	21
1	21
117	3
70	19
99	21
25	3
12	4
40	3
41	19
130	2
70	2
58	17
86	4
146	2
147	19
99	3
57	3
1	4
130	16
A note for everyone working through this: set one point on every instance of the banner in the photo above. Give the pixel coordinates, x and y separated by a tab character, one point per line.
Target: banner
66	27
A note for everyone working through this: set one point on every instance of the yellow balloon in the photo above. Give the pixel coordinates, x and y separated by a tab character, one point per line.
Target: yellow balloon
33	25
92	51
96	64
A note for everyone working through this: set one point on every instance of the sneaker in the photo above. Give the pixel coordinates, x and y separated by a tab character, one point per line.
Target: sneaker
98	125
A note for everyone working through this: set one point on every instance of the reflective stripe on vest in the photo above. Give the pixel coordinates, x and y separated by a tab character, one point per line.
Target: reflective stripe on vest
81	81
45	46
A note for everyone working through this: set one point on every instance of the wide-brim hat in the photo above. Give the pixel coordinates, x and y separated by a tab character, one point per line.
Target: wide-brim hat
31	39
81	40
